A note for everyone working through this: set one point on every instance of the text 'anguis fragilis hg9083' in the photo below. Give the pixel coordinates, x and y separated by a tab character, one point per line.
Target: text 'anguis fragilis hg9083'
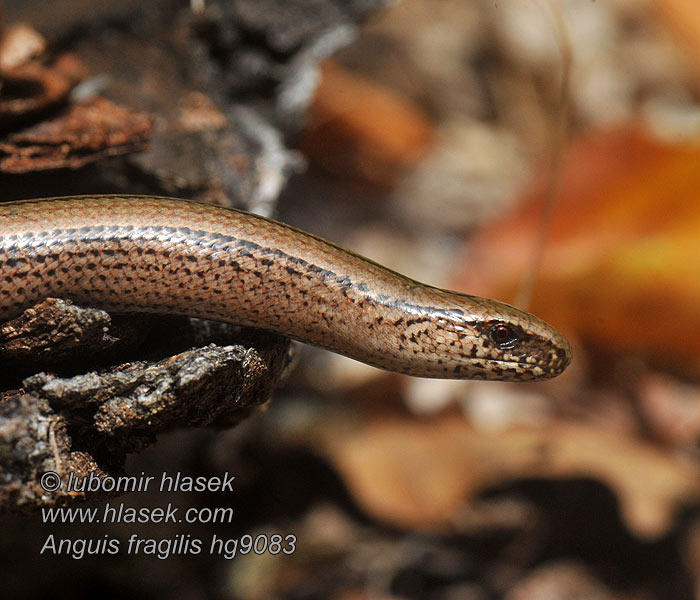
163	255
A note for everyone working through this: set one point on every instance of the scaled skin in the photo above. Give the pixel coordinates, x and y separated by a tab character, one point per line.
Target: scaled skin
162	255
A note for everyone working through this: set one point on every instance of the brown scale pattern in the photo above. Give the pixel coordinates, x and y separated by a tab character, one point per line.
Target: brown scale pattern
148	254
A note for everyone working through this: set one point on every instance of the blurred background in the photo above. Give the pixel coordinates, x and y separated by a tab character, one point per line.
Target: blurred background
539	152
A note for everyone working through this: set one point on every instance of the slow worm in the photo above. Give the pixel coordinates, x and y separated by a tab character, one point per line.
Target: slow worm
162	255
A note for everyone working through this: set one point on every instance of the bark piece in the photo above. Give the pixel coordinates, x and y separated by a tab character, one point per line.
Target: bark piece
197	387
112	411
52	329
245	59
34	440
88	132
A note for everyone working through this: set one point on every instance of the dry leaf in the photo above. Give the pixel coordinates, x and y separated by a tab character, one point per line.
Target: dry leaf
620	266
417	474
360	128
683	19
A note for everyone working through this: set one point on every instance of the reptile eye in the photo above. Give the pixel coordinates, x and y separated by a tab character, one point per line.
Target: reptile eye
503	336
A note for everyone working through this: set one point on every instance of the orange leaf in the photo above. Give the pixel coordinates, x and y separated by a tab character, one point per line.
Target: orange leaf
621	265
683	19
359	128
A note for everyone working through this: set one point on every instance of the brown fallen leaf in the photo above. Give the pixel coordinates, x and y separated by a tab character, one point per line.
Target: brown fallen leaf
360	128
418	474
88	131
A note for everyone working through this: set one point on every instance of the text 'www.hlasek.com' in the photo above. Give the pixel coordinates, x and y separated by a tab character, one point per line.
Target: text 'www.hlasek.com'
165	518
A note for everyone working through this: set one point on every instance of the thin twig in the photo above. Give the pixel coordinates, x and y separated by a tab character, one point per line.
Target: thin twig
526	289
